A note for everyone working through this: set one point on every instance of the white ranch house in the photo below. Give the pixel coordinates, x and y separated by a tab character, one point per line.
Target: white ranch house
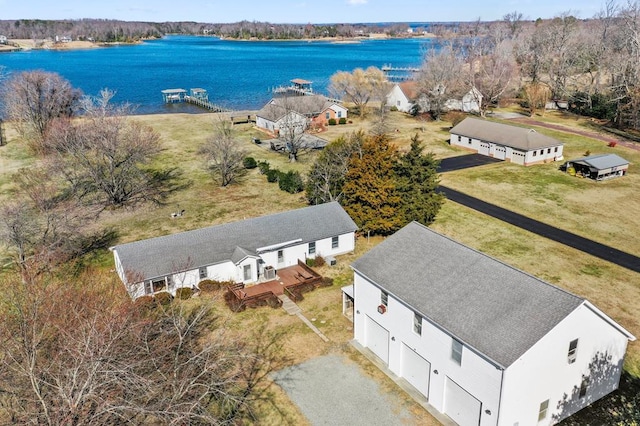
484	343
511	143
246	251
405	96
298	112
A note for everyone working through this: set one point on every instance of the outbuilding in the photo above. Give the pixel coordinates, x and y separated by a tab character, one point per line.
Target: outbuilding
598	167
506	142
485	343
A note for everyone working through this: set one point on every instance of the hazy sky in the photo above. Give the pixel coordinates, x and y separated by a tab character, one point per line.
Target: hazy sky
293	11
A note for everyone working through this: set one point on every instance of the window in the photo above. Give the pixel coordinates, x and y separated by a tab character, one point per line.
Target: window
417	324
573	351
583	386
159	284
535	153
542	413
280	256
384	298
339	114
548	150
203	273
555	149
469	139
541	151
456	351
312	248
398	103
335	241
459	138
148	288
247	272
327	115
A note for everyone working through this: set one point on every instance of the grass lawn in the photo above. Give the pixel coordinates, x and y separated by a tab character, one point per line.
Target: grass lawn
607	212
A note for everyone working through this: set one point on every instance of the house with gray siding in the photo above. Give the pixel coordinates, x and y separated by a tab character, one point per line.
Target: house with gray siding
506	142
245	251
483	342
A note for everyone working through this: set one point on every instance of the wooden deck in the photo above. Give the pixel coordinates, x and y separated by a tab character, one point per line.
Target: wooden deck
287	281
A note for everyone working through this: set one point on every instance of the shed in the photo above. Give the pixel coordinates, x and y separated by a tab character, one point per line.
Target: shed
598	167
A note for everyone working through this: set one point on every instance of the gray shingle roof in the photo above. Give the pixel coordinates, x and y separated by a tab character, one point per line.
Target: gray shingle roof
602	161
504	134
498	310
161	256
310	105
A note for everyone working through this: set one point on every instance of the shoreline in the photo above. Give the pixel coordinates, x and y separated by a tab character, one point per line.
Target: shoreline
25	45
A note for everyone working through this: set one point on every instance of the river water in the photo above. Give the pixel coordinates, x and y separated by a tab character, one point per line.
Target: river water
237	74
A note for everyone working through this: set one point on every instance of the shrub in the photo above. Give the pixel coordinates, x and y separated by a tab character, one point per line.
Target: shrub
311	262
342	121
587	153
332	122
350	121
393	108
163	298
612	144
145	302
291	182
263	166
249	163
273	175
319	261
208	286
184	293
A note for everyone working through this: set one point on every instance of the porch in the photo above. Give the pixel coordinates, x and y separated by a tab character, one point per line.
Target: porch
291	281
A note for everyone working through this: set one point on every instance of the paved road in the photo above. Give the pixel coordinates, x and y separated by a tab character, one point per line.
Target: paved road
626	260
332	390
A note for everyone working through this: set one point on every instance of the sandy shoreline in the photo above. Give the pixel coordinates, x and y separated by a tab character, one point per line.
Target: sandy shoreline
31	44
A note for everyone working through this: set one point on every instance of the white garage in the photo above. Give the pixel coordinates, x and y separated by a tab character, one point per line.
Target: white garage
460	405
377	338
416	370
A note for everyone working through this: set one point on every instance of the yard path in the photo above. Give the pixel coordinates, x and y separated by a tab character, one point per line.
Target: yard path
586	133
293	309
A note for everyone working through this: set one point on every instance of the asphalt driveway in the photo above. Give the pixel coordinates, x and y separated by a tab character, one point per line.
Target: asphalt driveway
465	162
332	390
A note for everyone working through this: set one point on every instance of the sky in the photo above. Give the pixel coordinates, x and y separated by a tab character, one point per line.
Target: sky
294	11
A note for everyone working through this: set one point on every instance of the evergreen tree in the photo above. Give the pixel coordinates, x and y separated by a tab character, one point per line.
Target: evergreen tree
417	181
370	194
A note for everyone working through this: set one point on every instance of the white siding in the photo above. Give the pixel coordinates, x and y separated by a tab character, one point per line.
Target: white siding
545	373
398	99
476	375
542	155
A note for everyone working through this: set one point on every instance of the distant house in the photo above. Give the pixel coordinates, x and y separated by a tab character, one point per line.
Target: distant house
405	97
598	167
484	343
299	111
3	39
511	143
243	251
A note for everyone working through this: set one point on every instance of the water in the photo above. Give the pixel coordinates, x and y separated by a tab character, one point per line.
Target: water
238	75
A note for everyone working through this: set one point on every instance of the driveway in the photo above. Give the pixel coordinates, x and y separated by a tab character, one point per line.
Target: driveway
465	162
332	390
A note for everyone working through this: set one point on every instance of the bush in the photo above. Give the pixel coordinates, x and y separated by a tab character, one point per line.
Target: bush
311	262
291	182
163	298
393	108
263	166
612	144
332	122
145	302
249	163
184	293
342	121
273	175
319	261
209	286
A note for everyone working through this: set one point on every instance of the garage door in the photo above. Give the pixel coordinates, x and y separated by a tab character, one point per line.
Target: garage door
484	148
378	340
460	405
500	152
416	370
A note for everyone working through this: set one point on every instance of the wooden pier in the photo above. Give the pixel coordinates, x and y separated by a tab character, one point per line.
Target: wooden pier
406	73
196	96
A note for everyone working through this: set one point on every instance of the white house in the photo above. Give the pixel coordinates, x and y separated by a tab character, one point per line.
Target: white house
485	343
470	102
244	251
512	143
405	96
299	112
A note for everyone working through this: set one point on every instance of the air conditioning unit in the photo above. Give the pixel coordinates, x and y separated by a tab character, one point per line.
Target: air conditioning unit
382	309
269	273
331	260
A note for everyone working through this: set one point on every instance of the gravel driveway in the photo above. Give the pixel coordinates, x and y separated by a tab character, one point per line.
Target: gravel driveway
332	390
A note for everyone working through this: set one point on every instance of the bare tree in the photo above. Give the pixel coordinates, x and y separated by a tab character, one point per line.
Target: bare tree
359	87
224	155
440	78
105	157
34	99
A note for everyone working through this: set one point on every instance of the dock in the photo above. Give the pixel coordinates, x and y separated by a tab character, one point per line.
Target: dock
195	96
405	73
